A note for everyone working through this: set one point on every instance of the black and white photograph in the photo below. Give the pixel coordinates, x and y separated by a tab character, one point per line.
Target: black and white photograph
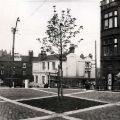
59	59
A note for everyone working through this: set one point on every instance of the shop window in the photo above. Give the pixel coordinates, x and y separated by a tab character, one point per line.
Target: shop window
43	79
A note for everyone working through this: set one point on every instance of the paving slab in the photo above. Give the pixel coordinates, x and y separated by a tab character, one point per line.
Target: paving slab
100	95
107	113
10	111
17	93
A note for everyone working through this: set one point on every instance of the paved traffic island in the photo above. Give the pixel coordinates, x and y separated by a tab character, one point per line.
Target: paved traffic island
10	111
103	113
63	105
107	96
22	93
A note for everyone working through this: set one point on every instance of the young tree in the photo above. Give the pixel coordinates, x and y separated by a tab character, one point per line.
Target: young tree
59	37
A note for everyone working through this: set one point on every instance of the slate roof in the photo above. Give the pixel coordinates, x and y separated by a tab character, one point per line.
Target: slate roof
9	58
48	58
26	58
6	58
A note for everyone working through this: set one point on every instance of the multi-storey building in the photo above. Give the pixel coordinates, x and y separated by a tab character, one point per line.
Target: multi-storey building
14	75
110	43
45	68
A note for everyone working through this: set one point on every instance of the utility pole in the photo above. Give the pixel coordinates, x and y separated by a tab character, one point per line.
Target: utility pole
13	46
95	65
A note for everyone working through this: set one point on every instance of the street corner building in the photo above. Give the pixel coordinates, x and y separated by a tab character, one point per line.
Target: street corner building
110	45
76	70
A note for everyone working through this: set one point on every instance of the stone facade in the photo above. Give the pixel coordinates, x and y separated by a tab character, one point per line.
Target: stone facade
110	43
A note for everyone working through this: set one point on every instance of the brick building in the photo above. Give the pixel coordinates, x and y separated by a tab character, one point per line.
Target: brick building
16	75
110	44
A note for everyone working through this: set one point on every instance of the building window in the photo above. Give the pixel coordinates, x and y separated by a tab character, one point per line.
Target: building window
2	66
43	65
24	72
110	47
13	72
48	65
43	79
53	65
2	72
115	22
36	79
24	65
111	20
106	24
115	48
109	1
110	23
115	12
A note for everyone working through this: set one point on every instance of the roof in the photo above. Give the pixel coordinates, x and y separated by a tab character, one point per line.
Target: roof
48	57
6	58
35	59
51	57
9	58
27	58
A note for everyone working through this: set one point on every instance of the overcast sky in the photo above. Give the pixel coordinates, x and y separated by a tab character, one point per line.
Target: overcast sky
34	15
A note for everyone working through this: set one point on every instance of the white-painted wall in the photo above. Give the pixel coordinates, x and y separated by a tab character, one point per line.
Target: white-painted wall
80	68
74	66
71	65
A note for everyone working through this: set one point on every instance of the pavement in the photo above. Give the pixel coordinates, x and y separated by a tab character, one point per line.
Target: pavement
11	109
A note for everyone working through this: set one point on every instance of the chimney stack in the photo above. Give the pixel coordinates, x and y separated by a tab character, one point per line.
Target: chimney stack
72	48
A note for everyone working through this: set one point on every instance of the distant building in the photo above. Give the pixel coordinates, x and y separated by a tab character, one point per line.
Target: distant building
3	52
110	44
45	68
17	73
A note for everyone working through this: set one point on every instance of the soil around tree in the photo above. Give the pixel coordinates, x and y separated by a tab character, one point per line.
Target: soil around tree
61	105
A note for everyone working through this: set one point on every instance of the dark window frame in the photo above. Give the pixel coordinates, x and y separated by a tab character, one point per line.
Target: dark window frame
110	47
110	16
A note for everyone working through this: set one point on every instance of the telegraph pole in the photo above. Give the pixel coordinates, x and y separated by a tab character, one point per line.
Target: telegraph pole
95	65
13	46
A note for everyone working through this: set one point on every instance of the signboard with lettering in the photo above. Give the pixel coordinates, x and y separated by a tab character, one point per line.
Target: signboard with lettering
17	57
